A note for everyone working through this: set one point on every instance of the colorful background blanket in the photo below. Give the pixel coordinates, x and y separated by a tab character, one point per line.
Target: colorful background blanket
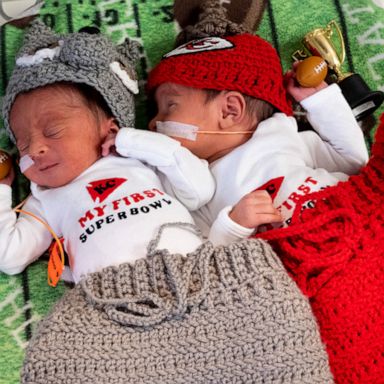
24	299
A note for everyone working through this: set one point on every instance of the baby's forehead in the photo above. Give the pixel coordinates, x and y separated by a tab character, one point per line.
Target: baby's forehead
52	98
37	107
54	94
171	88
65	90
174	89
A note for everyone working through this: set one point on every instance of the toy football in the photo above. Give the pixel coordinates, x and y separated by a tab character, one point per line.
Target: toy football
311	71
5	164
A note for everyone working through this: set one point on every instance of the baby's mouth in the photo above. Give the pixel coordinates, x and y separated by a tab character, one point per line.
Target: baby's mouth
47	167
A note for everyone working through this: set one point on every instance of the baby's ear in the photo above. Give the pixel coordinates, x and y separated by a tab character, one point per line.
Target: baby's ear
113	126
109	127
233	109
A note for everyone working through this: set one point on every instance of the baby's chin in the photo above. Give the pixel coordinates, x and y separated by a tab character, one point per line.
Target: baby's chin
50	179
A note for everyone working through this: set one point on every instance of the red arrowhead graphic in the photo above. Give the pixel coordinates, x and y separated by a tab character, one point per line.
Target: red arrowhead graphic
101	189
272	186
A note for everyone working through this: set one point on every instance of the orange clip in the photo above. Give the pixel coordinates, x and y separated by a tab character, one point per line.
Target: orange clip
55	263
56	254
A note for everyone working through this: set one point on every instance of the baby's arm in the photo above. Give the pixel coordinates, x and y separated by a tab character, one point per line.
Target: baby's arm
189	177
22	239
343	140
239	222
342	147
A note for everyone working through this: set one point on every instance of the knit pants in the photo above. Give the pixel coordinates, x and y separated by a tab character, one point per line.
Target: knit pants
335	252
220	315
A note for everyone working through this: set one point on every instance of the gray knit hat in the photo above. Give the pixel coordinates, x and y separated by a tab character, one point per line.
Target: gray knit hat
222	315
84	58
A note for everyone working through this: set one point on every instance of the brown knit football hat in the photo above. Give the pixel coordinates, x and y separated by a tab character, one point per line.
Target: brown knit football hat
247	13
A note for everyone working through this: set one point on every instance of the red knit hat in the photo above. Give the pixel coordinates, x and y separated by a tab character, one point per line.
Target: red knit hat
244	63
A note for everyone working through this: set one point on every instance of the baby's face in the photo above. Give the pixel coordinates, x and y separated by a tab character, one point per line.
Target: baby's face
58	131
188	105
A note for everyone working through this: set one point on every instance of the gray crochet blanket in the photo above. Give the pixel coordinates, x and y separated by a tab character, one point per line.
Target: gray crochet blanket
224	315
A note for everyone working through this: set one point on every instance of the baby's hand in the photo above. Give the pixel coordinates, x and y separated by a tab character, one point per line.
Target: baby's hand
298	92
109	144
254	209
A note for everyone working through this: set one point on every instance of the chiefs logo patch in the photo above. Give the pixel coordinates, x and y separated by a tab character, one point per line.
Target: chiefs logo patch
101	189
201	45
272	186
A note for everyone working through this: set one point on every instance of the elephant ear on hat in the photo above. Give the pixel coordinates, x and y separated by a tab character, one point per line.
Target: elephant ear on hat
38	36
129	53
130	50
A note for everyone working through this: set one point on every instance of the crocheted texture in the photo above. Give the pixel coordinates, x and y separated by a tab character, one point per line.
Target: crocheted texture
335	253
224	315
213	21
244	14
79	58
244	63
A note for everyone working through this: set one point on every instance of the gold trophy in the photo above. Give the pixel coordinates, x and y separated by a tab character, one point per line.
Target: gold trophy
360	97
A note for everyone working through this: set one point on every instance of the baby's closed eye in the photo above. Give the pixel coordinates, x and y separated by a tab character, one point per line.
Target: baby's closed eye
54	132
171	103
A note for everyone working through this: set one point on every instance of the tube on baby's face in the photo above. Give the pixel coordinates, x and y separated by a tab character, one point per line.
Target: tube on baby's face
25	163
190	132
175	129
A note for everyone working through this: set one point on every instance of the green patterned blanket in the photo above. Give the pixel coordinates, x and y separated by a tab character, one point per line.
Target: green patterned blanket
24	299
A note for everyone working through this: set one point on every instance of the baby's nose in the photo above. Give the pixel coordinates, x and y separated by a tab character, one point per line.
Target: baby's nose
37	149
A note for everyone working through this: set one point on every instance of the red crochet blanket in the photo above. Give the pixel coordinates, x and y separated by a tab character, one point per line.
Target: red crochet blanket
335	253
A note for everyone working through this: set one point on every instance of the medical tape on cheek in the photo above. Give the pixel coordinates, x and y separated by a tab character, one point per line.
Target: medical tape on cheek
25	163
175	129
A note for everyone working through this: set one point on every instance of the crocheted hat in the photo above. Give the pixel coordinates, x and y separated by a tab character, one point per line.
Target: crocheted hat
247	13
85	58
244	63
219	54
